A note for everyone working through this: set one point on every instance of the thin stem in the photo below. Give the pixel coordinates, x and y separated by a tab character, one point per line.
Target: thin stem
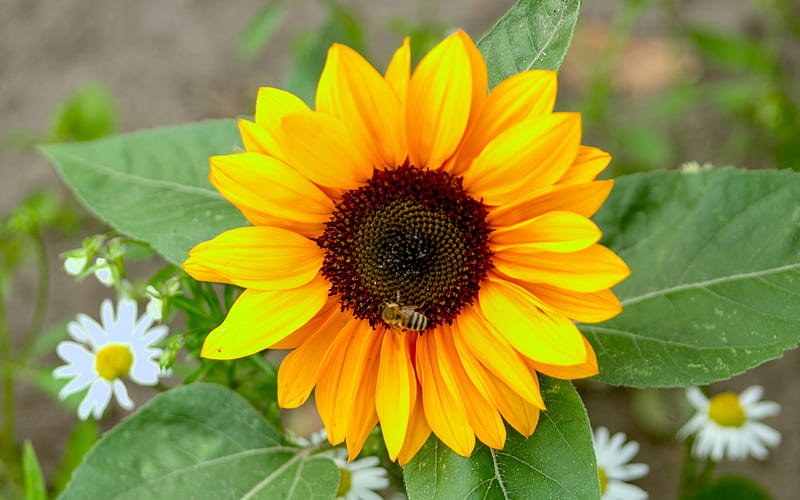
7	447
42	292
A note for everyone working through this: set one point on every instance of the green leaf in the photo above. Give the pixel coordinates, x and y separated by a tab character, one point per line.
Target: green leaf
340	27
557	461
715	281
153	185
35	488
260	29
732	488
83	436
88	113
195	440
534	34
732	51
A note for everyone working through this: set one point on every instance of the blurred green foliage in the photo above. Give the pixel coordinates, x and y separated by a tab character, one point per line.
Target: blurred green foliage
86	114
733	96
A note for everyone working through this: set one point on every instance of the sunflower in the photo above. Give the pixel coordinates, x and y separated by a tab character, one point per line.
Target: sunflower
423	247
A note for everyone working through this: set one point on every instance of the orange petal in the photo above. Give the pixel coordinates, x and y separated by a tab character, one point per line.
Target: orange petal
444	410
300	369
483	417
338	384
528	156
418	433
554	232
353	91
270	193
589	270
327	316
591	307
201	273
396	391
569	372
516	99
398	73
478	336
538	334
583	199
320	147
363	417
587	164
259	318
261	257
439	97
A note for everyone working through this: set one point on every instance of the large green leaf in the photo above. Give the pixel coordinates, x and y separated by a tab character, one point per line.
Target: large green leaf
715	282
534	34
557	461
153	185
200	441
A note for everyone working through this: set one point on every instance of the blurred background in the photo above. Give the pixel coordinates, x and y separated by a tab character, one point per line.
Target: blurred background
659	83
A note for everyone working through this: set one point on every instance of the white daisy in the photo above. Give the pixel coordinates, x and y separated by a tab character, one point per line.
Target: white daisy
613	455
729	423
359	479
102	355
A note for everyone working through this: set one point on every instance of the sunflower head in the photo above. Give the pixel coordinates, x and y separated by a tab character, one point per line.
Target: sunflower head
424	247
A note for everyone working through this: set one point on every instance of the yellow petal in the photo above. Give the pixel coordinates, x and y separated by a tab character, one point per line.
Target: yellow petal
554	232
528	156
273	104
363	417
261	257
483	417
201	273
328	315
516	99
588	368
439	100
538	334
300	369
444	411
587	164
482	340
418	433
396	391
270	193
398	73
258	140
591	307
259	318
353	91
338	383
588	270
583	199
320	147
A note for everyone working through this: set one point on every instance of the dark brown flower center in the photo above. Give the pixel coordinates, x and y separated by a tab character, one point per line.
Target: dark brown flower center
409	236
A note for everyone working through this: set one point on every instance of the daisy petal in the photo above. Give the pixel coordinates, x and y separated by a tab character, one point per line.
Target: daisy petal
96	400
546	337
121	393
276	313
259	257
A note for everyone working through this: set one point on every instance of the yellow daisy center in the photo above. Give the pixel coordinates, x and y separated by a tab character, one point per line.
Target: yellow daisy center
113	361
726	410
411	238
603	479
344	482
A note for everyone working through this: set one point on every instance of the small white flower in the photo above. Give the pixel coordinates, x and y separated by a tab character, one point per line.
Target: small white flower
155	304
120	347
360	479
103	272
74	265
729	424
613	455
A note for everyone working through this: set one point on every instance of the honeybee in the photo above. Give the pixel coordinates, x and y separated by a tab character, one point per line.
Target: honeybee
395	315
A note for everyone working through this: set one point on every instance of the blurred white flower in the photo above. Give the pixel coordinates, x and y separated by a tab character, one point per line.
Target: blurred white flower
728	424
103	354
613	455
102	272
74	265
155	304
359	479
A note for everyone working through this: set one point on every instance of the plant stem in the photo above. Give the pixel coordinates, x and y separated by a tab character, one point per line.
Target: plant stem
42	292
8	450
